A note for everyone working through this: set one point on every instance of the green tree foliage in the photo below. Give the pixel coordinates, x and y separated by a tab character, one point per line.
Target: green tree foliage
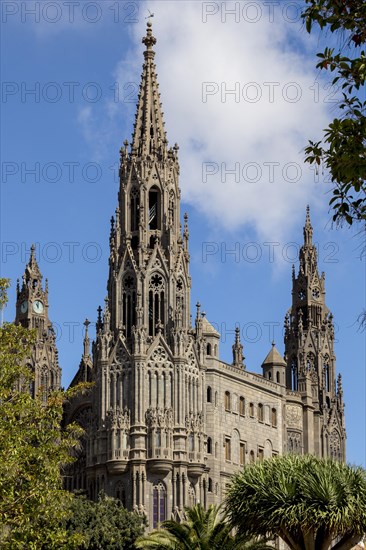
32	451
311	503
105	525
202	530
343	148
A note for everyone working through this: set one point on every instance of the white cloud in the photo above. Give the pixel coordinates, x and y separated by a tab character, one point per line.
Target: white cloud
245	135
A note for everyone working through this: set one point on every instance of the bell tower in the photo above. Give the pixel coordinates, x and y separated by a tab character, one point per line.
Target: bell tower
32	313
310	358
149	379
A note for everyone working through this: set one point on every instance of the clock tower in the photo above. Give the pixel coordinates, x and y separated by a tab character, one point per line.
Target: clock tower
32	313
310	358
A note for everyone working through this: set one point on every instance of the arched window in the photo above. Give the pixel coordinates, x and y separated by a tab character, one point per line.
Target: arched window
227	448
128	303
156	303
277	377
242	406
294	374
135	209
210	485
251	456
260	412
159	504
209	445
154	208
242	454
326	374
227	401
251	410
191	442
121	494
269	375
209	394
208	351
274	417
216	449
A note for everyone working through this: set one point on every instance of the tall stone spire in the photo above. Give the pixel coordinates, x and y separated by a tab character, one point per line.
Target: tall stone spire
309	346
308	254
149	136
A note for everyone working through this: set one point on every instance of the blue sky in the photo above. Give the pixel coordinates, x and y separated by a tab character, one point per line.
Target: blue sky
241	97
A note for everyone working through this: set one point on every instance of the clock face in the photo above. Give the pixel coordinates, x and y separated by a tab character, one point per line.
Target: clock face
24	306
316	293
38	306
302	294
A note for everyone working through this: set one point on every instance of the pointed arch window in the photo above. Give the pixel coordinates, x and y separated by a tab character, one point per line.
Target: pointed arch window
326	374
128	303
154	208
159	504
209	394
274	417
242	406
156	303
251	410
135	209
209	445
260	412
294	374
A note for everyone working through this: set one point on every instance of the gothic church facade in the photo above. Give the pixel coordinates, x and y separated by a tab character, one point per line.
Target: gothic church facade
167	422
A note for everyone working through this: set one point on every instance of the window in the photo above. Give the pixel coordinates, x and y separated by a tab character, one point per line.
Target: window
227	401
242	454
208	351
260	412
216	449
209	445
251	456
242	406
294	380
154	208
277	377
156	303
260	454
135	209
209	485
209	394
159	504
251	410
227	448
128	303
274	417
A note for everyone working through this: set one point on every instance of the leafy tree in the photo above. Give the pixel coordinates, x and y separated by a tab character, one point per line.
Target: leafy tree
105	525
343	148
203	530
311	503
32	451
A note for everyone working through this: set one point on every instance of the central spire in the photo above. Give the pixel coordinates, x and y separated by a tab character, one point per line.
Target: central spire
149	137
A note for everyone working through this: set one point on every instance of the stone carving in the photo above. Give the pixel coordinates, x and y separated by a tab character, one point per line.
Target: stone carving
159	355
294	416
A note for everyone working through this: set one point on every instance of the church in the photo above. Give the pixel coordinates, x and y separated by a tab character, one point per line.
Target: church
167	422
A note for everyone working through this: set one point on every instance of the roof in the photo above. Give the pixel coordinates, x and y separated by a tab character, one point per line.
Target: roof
274	357
208	329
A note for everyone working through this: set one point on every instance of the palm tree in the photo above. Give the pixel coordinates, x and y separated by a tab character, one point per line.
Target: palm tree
202	530
311	503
